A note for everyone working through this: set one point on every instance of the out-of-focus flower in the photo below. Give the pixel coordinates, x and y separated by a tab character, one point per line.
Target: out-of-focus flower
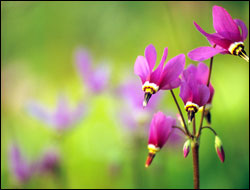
132	113
96	79
159	132
186	148
49	161
227	40
219	149
164	77
61	118
194	91
19	165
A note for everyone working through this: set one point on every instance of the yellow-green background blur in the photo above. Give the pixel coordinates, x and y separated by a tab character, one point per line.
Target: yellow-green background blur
38	41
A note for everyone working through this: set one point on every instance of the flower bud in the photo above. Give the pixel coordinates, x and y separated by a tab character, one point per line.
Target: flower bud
186	148
219	149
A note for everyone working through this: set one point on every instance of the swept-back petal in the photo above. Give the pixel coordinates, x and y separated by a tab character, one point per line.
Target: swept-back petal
244	30
202	73
160	129
155	76
185	92
225	25
201	95
172	70
150	54
141	68
174	84
203	53
214	38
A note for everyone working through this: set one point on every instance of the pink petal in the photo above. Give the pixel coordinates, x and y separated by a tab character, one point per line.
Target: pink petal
155	76
202	73
141	68
172	70
202	96
203	53
174	84
160	129
150	54
216	39
225	25
185	92
244	30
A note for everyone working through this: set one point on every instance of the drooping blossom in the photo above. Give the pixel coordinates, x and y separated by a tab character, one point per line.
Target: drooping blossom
96	79
194	91
61	118
186	148
228	39
159	132
164	77
20	167
219	149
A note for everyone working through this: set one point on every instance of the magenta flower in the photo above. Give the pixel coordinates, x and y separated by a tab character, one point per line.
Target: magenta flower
164	77
227	40
61	118
19	165
194	91
95	79
159	132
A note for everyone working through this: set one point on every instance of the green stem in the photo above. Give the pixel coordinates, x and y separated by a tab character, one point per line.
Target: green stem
179	109
204	107
196	174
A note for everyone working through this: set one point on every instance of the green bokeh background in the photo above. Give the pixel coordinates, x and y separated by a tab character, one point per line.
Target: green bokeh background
38	42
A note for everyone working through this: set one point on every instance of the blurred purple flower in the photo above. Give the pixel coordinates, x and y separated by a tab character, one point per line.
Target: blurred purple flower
97	79
159	132
49	161
132	113
19	166
61	118
164	77
194	91
227	40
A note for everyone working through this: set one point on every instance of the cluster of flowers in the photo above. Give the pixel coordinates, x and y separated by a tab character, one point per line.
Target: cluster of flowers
61	119
196	91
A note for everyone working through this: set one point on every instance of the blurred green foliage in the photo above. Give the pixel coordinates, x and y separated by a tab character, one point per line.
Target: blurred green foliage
38	41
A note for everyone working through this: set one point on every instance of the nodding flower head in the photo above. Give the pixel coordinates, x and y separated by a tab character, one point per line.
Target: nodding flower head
194	91
227	40
159	132
219	149
163	77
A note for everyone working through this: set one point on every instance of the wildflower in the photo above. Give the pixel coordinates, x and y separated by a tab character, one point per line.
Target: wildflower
201	74
19	165
194	91
227	40
61	118
49	161
186	148
159	132
164	77
219	149
96	79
